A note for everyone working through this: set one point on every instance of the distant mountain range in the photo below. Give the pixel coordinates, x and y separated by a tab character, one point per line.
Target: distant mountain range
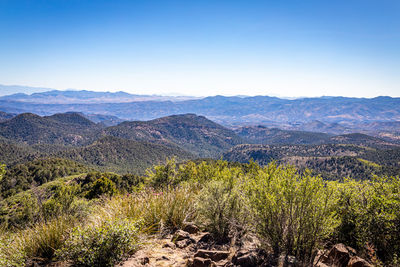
51	96
336	115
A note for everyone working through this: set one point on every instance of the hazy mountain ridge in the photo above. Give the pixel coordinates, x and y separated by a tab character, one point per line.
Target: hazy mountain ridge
227	110
81	96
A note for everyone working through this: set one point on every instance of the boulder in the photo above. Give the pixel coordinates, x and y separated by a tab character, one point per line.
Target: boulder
287	261
245	258
339	256
184	243
182	239
201	262
180	235
205	238
358	262
320	257
214	255
191	228
169	244
223	263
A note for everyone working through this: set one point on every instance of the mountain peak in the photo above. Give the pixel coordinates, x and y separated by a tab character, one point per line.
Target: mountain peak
72	117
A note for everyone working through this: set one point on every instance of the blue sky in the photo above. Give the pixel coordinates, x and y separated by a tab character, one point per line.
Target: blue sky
283	48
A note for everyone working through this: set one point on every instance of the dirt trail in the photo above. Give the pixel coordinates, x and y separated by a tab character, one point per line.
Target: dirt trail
160	252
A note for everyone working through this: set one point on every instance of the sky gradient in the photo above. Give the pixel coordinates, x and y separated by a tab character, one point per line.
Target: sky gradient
286	48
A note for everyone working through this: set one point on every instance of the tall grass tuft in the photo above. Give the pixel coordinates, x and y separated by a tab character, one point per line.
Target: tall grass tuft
166	210
43	239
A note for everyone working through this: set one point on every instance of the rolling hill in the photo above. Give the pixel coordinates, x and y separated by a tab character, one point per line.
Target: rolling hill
122	155
133	146
274	136
34	173
62	129
5	116
196	134
362	140
263	135
333	161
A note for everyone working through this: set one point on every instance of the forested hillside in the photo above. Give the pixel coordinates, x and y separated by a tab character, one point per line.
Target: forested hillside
193	133
62	129
123	156
264	135
333	161
28	175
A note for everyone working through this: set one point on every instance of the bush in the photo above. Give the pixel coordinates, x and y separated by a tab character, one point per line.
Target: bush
11	251
291	212
165	175
64	201
101	245
220	209
20	210
369	213
100	187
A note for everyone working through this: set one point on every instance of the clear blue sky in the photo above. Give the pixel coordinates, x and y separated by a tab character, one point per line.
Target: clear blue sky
284	48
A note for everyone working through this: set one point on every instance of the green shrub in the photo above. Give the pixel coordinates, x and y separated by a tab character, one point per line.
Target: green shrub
64	201
164	175
2	171
20	210
102	186
291	212
11	251
220	209
369	213
101	245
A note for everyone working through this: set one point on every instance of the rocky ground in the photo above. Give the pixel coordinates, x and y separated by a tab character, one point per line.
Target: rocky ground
192	248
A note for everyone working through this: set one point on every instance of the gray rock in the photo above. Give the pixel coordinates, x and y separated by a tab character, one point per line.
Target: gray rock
245	258
201	262
358	262
215	255
191	228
